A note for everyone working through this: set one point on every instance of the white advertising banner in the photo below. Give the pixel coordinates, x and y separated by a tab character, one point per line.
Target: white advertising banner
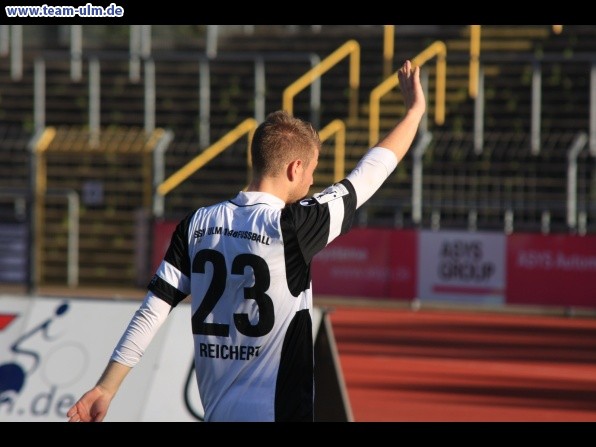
58	352
462	266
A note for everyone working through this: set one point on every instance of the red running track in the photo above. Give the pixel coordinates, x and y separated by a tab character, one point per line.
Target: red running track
448	366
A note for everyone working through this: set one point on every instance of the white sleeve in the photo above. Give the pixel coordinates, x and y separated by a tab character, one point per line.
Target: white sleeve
370	172
140	331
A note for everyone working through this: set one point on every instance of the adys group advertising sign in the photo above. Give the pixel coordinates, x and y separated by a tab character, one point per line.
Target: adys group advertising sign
462	266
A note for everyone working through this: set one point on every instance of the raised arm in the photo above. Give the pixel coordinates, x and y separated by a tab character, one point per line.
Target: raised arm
400	138
380	161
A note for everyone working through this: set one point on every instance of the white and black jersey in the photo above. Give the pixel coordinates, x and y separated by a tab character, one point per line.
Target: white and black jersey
246	264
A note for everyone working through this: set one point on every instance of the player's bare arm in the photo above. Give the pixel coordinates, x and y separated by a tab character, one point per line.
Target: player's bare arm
399	139
93	405
380	161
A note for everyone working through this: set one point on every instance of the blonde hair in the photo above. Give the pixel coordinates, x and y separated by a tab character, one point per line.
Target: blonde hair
280	139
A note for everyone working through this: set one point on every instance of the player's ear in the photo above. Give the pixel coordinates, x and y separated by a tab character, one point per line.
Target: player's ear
293	169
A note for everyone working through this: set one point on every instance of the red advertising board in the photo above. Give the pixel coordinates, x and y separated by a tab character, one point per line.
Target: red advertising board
403	261
368	263
551	270
162	233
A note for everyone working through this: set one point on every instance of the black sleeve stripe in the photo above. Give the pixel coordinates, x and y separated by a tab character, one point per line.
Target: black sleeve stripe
165	291
350	201
177	253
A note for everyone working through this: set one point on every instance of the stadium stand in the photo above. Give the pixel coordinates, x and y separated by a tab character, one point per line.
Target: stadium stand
464	184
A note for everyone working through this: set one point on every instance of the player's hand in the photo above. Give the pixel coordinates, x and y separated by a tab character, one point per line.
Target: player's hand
91	407
411	88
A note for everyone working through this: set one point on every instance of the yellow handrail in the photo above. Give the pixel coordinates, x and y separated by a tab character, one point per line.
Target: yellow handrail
337	128
474	60
388	49
248	126
438	49
350	48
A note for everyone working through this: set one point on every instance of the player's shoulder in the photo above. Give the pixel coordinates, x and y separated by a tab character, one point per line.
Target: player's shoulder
192	216
318	206
329	194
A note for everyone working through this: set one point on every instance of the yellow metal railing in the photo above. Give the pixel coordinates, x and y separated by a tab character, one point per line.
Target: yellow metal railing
337	128
474	60
352	49
248	126
388	49
438	49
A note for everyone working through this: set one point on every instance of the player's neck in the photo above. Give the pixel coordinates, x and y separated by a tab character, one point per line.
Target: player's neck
271	185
